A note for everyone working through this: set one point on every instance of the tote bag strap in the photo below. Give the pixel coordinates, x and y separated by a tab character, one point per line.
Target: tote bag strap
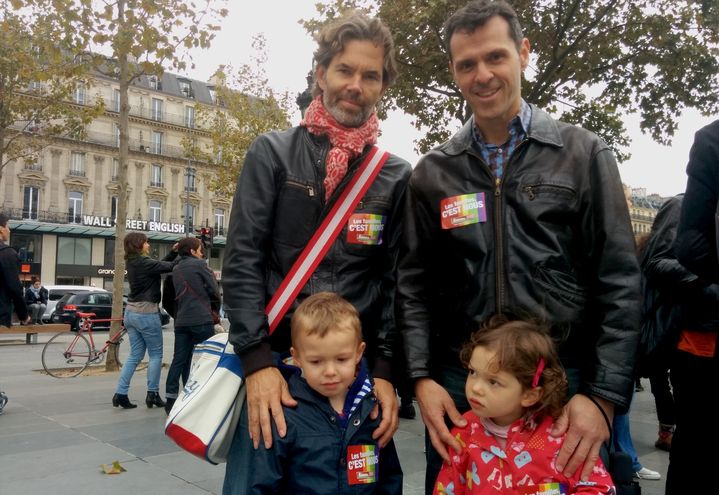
323	238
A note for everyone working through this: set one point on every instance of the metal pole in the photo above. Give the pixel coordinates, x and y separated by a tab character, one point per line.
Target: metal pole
188	172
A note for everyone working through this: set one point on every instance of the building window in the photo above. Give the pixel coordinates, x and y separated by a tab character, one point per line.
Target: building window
188	211
113	207
74	251
116	100
190	117
155	211
219	221
156	179
155	83
77	164
80	94
117	135
190	180
115	168
186	88
30	203
156	109
35	86
74	209
26	245
213	94
156	143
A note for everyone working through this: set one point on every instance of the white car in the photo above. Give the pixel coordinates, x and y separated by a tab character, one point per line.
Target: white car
55	292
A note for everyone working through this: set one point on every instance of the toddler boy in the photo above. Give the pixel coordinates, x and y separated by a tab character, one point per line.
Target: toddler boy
329	447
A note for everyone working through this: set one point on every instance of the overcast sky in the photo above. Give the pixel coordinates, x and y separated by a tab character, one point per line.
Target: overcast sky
659	169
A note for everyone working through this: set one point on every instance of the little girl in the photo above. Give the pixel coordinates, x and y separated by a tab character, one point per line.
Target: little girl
516	388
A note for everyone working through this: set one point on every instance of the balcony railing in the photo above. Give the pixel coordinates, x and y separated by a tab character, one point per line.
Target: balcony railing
37	167
76	173
156	183
150	114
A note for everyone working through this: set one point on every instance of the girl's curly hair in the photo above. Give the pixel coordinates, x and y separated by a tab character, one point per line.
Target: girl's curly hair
519	345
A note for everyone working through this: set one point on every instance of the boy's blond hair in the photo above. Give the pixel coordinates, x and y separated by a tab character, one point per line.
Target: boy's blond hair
322	312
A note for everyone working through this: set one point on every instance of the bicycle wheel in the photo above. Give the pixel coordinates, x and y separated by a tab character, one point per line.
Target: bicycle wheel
65	355
122	351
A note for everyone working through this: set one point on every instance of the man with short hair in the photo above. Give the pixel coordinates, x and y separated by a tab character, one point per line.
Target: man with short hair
10	286
289	182
519	214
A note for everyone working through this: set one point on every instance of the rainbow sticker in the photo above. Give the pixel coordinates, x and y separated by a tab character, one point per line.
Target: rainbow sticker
458	211
365	228
362	463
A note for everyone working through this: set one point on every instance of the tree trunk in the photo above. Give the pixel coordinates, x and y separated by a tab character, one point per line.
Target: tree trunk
119	275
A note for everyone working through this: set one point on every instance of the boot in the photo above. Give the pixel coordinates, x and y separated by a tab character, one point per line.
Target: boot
154	399
664	440
122	401
169	402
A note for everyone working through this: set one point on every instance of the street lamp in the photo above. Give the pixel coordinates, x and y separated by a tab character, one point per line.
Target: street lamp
190	179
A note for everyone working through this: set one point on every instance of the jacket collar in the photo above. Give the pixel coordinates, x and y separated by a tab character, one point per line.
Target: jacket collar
542	128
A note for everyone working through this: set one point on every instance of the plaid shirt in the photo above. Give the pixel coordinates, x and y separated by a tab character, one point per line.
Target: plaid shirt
496	156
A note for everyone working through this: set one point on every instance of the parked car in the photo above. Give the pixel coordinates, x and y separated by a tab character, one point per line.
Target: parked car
55	292
98	302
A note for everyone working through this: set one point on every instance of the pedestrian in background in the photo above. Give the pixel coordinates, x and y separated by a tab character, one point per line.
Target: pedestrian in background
142	318
10	286
36	300
695	365
197	303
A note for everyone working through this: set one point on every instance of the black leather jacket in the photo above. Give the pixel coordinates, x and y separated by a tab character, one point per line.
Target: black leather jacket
557	242
279	203
143	274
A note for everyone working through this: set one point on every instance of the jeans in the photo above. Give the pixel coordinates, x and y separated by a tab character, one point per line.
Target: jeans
145	333
453	380
186	338
239	459
622	439
36	311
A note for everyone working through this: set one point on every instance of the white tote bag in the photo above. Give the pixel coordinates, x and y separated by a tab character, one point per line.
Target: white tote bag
205	415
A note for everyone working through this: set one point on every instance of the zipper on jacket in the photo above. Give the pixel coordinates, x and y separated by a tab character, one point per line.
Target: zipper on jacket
499	246
310	189
533	189
499	279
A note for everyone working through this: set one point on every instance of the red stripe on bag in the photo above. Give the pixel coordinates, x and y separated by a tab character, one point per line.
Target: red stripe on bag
322	239
189	442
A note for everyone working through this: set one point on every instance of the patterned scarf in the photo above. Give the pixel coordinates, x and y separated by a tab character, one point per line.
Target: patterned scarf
347	142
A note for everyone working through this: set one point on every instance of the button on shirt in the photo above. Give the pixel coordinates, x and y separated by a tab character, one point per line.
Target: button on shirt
496	156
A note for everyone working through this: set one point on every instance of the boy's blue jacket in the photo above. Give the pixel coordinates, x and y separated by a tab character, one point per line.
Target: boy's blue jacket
313	457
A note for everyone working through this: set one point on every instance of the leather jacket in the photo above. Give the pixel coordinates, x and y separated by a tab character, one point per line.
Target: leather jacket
143	274
278	205
553	240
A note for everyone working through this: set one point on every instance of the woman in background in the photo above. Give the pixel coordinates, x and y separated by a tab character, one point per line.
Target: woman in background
142	318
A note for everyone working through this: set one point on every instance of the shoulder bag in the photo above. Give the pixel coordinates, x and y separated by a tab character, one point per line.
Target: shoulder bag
204	417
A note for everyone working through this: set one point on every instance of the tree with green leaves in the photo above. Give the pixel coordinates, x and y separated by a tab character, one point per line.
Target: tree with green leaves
248	107
125	39
593	62
37	81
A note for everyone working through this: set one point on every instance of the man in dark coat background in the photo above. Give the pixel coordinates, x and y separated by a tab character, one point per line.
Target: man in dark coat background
10	287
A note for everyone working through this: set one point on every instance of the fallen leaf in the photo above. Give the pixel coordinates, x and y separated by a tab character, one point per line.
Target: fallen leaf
114	468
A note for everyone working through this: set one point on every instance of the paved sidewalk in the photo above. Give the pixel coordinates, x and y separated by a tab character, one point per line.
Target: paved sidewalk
55	433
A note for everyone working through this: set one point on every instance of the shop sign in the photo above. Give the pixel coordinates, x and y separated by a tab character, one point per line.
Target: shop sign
145	225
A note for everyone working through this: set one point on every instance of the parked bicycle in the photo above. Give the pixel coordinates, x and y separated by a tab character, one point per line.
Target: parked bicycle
67	354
